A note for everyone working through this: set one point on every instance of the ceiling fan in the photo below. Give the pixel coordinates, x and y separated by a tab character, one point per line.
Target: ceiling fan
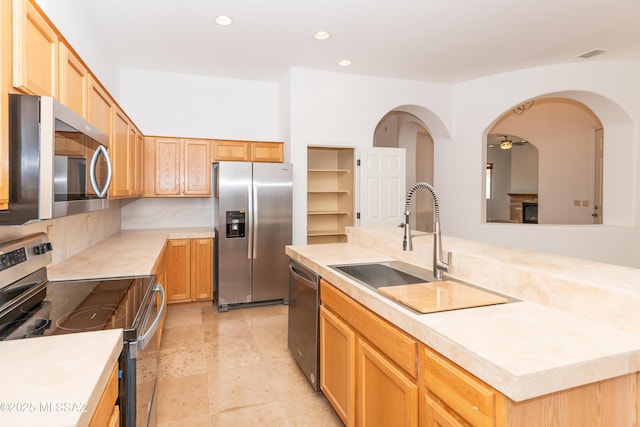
506	143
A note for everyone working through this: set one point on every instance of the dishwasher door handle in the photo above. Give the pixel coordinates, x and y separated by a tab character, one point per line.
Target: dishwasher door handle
309	282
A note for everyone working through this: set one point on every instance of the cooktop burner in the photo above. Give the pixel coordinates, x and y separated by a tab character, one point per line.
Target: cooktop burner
94	318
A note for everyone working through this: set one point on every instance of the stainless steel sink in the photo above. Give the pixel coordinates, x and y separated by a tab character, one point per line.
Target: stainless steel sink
379	274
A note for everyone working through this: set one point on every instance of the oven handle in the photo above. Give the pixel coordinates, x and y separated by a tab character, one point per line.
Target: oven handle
142	342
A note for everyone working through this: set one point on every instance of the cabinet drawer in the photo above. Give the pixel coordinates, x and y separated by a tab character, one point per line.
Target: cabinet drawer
463	393
398	346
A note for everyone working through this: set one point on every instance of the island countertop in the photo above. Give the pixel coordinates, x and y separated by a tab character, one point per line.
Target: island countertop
56	380
524	349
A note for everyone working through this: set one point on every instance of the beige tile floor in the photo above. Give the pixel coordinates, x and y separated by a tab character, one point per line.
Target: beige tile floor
233	369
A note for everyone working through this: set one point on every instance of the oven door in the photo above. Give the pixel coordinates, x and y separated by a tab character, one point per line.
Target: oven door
140	359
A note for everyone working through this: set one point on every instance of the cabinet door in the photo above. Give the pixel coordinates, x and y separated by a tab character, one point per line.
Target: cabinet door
120	155
35	51
267	152
99	107
72	81
149	167
178	287
337	365
5	84
201	269
135	161
167	166
386	395
224	150
197	167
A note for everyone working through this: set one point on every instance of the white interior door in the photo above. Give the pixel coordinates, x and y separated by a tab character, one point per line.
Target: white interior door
382	186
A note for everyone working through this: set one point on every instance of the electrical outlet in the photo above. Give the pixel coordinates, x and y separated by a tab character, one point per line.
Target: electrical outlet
50	233
576	203
166	212
89	223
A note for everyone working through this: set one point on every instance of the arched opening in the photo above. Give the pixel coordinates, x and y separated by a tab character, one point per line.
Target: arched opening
401	129
552	168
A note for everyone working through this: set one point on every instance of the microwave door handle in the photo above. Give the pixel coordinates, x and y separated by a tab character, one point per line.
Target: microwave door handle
101	192
142	342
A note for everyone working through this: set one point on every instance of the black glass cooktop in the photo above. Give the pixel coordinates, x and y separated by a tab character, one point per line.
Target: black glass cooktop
52	308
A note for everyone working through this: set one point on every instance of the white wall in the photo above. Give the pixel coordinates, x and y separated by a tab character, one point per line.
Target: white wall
611	90
172	104
343	110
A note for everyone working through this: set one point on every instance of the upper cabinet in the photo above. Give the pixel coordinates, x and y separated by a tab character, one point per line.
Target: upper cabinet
35	51
126	153
73	80
181	167
247	151
99	106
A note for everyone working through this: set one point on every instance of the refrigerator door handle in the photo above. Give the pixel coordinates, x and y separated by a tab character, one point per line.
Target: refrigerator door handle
250	222
255	221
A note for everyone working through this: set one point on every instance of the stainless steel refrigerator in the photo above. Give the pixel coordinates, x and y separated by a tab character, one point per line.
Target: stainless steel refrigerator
252	222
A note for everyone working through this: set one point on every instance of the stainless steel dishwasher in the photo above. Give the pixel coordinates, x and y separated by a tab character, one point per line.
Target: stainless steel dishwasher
303	328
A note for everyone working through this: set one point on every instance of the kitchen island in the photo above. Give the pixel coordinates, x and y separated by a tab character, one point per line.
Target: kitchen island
549	341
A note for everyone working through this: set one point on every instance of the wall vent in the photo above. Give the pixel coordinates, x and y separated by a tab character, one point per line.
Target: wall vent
591	53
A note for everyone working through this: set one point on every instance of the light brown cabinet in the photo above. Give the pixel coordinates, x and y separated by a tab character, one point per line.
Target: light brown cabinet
107	413
330	193
360	351
119	152
453	397
189	270
181	167
247	151
73	81
5	84
126	152
337	364
35	51
99	106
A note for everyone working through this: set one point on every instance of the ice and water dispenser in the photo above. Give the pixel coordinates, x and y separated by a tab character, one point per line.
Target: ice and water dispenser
235	224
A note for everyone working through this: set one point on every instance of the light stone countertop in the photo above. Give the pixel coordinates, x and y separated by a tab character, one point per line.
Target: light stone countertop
127	253
524	349
56	380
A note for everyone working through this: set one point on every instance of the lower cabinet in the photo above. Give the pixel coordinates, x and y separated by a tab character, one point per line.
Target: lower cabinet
367	366
107	412
189	270
374	374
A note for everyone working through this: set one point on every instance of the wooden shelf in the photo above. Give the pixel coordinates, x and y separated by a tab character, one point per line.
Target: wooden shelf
330	183
328	192
329	170
316	233
328	213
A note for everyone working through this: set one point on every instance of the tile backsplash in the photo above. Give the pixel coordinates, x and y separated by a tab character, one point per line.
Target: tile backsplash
69	235
167	212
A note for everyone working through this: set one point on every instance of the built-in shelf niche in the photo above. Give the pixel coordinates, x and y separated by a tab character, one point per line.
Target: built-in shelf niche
330	184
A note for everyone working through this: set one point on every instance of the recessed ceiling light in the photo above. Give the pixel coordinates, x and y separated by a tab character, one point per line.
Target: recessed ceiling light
322	35
344	63
223	20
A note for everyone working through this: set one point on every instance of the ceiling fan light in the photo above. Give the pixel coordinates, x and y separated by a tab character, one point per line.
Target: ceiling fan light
506	145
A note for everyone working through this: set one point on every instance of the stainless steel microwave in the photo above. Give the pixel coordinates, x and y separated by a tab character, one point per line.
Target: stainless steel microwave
58	163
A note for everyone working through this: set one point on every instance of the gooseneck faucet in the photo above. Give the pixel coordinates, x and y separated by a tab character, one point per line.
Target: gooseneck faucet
438	264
